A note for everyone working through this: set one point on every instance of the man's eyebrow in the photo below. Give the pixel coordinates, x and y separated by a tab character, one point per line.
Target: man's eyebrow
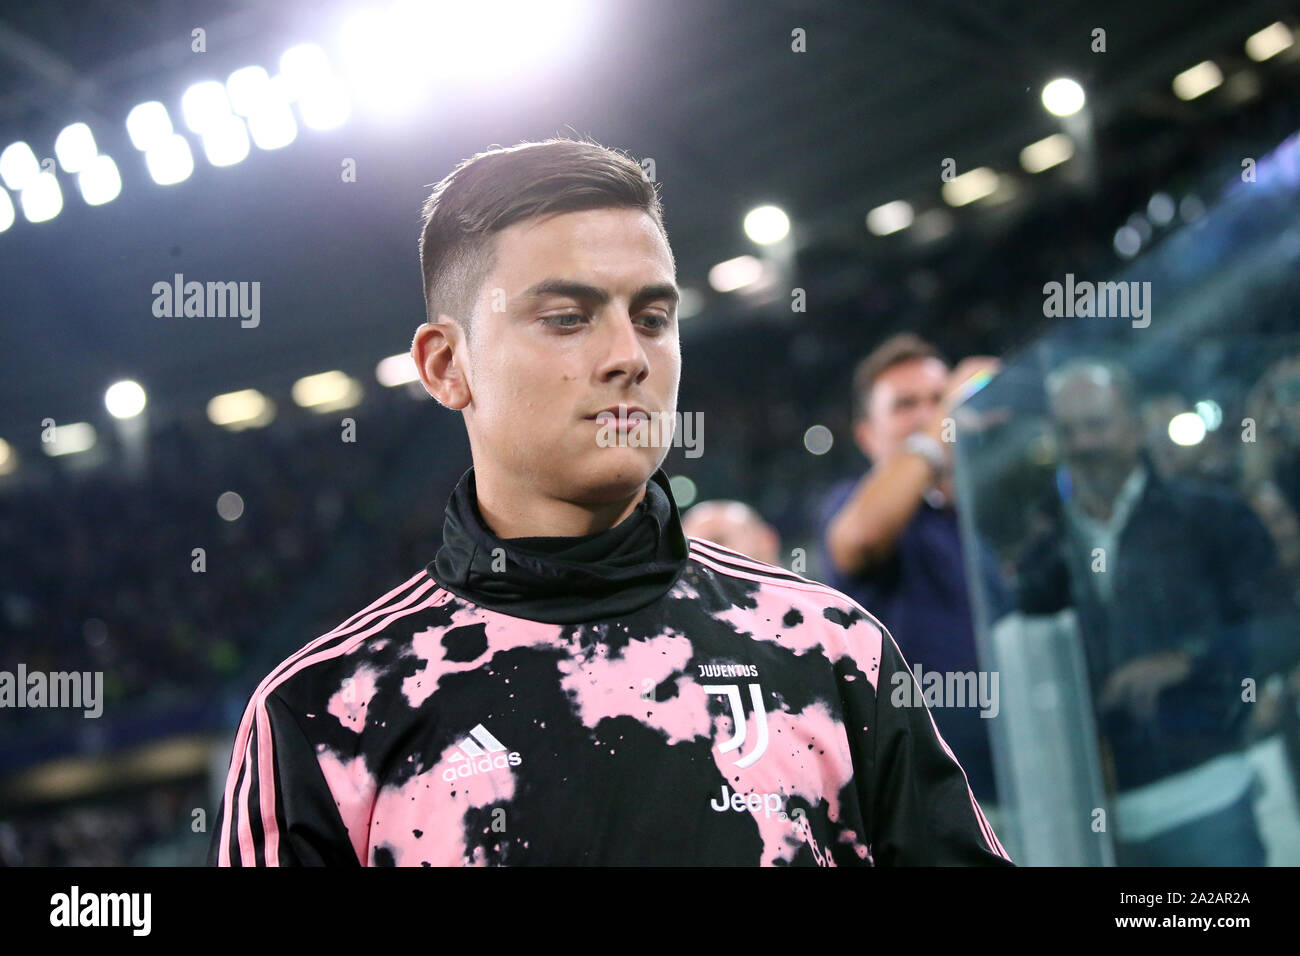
590	293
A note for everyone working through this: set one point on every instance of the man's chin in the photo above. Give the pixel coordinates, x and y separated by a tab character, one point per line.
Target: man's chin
612	474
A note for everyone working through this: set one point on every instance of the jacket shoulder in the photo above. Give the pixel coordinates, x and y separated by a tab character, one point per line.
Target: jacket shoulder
805	595
332	654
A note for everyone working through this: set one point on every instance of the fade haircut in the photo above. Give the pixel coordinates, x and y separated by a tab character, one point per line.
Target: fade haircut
895	350
497	188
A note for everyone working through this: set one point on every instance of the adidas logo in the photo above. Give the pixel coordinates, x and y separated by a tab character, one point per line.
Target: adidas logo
479	752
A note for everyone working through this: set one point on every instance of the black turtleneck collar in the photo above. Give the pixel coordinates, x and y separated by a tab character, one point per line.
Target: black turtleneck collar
559	580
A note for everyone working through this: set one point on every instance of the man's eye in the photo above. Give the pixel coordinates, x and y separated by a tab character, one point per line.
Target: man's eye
555	320
656	320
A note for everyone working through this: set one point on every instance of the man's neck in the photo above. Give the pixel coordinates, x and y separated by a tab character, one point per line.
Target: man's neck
1099	504
514	512
1094	505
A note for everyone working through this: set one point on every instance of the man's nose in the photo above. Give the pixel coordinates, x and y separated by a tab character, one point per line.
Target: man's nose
625	350
921	415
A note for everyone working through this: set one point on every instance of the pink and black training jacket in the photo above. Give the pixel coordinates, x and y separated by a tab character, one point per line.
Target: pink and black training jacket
633	697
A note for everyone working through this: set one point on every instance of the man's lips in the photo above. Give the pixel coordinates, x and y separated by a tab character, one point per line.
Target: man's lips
624	415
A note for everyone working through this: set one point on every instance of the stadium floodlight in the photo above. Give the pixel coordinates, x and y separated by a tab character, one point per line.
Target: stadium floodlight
42	200
272	125
388	66
170	161
1186	429
766	225
100	182
498	36
236	411
246	88
381	54
8	458
148	125
225	141
70	439
1197	80
889	218
1063	97
1046	153
326	391
326	106
735	273
75	147
1269	42
396	370
970	186
6	211
204	105
125	399
385	55
304	68
18	166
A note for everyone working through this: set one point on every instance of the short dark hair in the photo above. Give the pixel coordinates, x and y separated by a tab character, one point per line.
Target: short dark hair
895	350
497	188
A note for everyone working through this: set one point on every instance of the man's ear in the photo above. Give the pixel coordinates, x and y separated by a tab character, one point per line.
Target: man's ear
862	435
438	351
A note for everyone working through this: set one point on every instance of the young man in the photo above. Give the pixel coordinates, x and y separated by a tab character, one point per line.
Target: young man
572	680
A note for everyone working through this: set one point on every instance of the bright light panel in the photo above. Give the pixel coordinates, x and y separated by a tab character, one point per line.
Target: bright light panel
148	125
1063	97
225	141
18	166
170	161
75	147
204	104
1197	80
766	225
99	182
1046	153
125	399
42	200
970	186
891	217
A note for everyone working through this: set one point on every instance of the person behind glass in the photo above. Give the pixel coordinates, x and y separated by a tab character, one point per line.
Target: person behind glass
1173	581
890	536
1271	459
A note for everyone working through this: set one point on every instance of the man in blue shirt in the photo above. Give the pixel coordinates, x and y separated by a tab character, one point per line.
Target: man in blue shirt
891	537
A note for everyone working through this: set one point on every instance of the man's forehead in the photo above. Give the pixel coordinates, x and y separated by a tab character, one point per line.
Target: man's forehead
1081	390
626	240
912	374
1082	399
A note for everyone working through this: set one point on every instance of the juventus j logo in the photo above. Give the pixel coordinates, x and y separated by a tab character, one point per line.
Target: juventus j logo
732	691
